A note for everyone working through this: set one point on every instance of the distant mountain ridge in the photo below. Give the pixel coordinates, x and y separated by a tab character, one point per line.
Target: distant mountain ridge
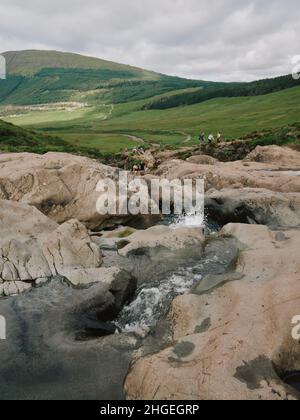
45	77
30	62
41	77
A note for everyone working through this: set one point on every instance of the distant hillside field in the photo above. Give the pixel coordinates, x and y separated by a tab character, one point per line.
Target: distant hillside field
98	108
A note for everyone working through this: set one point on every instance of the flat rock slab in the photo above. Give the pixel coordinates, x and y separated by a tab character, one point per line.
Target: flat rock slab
158	238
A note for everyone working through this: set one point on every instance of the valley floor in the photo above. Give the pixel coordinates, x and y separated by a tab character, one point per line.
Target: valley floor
113	128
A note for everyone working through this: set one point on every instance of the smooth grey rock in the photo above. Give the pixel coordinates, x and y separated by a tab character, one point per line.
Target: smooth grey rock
55	347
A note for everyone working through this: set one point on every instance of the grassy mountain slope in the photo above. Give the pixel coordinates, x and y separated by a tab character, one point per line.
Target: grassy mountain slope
261	87
17	139
30	62
236	117
40	77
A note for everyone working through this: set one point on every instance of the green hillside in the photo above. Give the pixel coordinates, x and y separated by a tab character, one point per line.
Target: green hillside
17	139
236	117
99	108
41	77
233	90
30	62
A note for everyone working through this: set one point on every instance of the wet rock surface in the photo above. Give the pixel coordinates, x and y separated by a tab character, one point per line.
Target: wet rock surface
170	310
53	350
74	340
238	329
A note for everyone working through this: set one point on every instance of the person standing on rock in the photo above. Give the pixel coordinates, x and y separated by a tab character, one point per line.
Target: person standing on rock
202	137
211	139
219	137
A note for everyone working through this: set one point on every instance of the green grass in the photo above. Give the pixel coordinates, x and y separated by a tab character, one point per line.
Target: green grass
126	232
102	128
16	139
33	118
279	136
104	143
164	138
234	116
118	99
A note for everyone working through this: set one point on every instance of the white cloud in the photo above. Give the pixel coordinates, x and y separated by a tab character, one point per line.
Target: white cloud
203	39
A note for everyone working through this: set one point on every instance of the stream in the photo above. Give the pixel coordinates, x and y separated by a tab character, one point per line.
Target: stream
48	353
153	300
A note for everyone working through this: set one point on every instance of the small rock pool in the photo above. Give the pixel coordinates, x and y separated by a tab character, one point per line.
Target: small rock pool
293	379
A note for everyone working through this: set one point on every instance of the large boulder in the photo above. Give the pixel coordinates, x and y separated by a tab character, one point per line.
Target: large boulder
239	174
254	205
60	185
232	340
157	239
70	247
33	248
86	276
23	228
158	251
276	155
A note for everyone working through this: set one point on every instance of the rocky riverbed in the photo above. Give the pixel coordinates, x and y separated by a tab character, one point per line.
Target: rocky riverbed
172	311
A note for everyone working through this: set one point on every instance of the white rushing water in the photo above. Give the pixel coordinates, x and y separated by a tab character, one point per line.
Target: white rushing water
153	300
190	220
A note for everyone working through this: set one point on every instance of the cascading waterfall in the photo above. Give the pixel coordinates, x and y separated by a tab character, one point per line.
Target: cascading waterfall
153	300
191	220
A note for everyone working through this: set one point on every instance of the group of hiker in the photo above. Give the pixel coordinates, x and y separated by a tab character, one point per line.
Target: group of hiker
138	151
211	138
141	164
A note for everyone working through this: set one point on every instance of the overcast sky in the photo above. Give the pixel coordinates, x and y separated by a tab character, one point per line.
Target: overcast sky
203	39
